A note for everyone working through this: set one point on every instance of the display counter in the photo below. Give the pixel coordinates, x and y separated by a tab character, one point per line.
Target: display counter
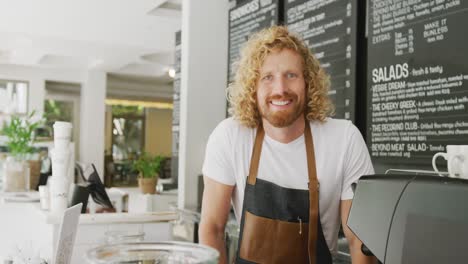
26	229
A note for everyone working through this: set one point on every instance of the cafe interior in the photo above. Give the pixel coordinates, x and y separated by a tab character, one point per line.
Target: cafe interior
106	108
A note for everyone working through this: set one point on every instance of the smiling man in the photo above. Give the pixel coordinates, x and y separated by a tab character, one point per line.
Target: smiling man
284	163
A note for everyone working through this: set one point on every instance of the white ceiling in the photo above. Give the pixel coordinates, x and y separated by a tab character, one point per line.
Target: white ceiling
129	37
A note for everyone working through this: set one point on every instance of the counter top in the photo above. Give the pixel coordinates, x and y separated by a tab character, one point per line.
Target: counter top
17	208
116	218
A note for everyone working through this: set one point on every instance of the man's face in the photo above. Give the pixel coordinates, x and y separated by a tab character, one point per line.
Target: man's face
281	88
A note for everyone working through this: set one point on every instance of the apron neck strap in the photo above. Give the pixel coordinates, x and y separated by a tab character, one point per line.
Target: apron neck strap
313	194
255	159
311	167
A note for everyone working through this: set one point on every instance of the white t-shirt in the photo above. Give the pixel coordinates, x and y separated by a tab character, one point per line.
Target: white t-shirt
341	157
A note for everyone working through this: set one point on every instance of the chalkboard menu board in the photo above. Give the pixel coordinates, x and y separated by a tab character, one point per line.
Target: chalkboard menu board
417	78
176	109
246	18
329	29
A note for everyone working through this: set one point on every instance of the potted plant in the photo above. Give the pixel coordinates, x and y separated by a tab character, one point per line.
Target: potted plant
20	137
148	167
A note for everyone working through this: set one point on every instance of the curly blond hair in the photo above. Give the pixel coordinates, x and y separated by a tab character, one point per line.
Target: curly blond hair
242	92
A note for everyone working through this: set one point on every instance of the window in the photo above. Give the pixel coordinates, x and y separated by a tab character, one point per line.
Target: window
13	97
62	103
128	135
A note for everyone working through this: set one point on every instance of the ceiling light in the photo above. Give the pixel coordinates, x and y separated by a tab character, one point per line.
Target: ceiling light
159	105
171	72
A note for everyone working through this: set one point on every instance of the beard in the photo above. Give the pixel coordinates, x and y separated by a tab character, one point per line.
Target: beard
282	118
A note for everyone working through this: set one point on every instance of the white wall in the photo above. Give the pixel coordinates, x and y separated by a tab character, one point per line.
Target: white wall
93	92
203	83
36	77
158	131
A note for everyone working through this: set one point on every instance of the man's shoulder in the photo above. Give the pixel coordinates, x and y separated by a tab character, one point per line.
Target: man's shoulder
335	130
231	127
231	124
332	124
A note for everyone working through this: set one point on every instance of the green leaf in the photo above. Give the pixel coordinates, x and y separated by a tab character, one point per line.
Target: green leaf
20	134
148	166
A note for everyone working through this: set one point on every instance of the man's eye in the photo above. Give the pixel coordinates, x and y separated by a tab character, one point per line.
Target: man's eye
267	78
291	75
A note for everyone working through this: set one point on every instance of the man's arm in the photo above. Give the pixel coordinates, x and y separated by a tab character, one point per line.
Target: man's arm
354	243
215	211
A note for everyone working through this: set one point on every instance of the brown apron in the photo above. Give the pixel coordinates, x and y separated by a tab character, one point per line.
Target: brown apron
275	220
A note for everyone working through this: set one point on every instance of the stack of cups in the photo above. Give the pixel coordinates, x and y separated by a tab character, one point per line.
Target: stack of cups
61	154
44	197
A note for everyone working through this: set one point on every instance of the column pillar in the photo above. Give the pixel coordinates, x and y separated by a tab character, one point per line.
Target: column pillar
203	87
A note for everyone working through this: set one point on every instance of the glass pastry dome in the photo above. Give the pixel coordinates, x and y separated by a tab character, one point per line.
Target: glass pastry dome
153	253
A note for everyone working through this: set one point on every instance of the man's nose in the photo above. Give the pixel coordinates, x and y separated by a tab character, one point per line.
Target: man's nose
279	85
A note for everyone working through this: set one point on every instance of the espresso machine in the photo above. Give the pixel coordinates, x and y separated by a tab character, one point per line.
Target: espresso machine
411	219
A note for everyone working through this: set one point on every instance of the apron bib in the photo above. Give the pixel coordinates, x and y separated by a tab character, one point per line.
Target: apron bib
281	225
